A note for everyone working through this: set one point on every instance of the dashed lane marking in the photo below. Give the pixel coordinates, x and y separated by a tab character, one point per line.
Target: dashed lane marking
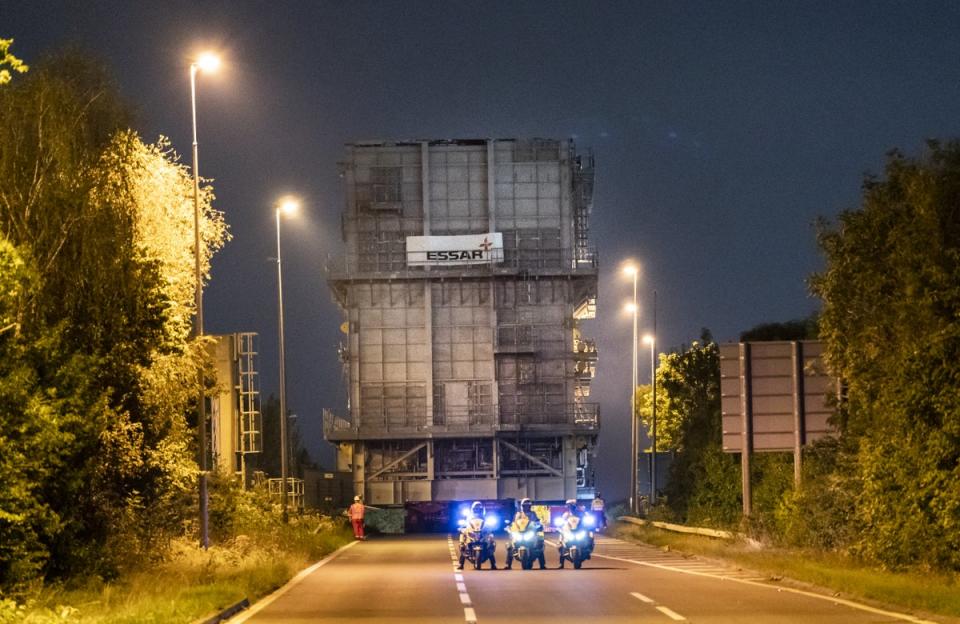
641	597
468	613
673	615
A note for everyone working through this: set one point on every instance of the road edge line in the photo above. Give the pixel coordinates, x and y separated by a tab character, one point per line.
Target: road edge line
296	580
906	617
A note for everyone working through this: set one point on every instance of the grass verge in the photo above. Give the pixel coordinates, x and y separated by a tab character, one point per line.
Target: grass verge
190	583
935	593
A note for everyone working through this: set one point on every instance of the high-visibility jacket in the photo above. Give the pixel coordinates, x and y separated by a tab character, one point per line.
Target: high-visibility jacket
597	504
356	511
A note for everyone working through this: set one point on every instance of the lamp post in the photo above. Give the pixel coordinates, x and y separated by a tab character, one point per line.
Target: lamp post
206	62
288	206
651	339
633	308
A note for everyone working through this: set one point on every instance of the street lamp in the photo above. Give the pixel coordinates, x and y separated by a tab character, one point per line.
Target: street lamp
288	206
206	62
632	271
651	340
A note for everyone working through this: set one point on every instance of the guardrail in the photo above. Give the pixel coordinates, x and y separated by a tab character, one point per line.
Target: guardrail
679	528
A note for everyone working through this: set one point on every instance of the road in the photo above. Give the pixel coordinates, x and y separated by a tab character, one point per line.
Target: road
412	579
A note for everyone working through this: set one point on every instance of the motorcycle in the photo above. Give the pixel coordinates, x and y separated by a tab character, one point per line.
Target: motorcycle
576	539
526	542
478	545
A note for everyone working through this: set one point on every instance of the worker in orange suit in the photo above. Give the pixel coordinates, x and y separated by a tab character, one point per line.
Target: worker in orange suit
356	517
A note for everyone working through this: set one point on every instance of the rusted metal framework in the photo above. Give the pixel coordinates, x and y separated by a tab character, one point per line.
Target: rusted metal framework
467	381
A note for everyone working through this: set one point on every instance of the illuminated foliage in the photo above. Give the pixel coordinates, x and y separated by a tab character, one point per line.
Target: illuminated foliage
703	486
891	322
8	62
97	366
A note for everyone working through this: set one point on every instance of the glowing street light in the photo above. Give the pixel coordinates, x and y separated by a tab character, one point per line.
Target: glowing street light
288	206
632	271
206	62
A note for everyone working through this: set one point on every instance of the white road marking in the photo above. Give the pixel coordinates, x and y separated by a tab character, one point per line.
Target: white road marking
641	597
468	613
296	580
673	615
849	603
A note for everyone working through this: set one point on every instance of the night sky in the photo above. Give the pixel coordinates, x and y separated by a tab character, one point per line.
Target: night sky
721	131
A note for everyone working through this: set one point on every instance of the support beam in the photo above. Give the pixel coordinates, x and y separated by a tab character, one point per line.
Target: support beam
746	411
377	473
799	413
536	460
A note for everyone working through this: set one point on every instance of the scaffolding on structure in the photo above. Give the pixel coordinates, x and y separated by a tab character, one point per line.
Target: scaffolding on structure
250	424
467	380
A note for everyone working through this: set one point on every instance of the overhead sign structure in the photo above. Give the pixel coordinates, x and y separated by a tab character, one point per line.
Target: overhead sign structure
453	250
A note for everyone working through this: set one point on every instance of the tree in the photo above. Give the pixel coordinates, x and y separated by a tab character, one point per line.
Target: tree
703	485
9	62
891	323
97	366
802	329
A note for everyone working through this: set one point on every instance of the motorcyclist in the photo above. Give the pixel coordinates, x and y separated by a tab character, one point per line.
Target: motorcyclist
526	518
598	507
572	520
475	524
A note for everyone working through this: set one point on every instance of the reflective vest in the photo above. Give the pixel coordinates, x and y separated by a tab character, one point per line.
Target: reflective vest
356	511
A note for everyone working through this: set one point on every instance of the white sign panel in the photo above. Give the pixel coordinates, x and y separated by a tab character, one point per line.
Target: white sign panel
449	250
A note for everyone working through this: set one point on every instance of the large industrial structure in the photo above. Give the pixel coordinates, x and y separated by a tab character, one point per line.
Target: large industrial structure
466	275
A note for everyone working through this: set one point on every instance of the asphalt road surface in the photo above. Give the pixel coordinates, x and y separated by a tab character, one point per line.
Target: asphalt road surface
412	579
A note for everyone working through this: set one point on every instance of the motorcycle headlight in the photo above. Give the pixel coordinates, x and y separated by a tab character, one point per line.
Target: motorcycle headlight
567	535
589	520
529	535
515	536
581	534
558	521
491	521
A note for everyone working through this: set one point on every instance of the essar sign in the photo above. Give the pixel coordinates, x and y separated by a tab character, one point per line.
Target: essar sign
476	254
484	248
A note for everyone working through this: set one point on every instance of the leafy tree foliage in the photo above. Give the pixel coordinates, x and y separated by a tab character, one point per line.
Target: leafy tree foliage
703	485
8	62
803	329
891	322
97	369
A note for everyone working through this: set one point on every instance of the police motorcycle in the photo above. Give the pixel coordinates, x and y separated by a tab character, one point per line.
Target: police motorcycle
476	537
576	535
526	538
